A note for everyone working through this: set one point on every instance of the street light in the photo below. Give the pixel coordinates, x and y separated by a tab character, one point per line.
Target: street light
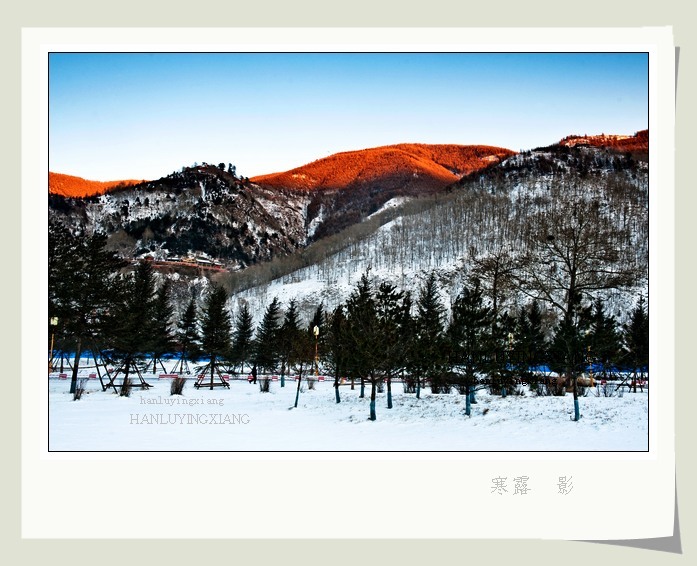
54	323
315	331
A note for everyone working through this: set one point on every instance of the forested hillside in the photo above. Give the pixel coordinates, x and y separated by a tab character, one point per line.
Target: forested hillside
505	214
205	208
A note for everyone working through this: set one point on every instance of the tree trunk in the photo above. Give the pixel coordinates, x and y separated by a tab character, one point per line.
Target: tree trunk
468	407
362	395
76	365
373	389
336	388
283	372
389	393
212	370
577	414
297	391
125	384
418	388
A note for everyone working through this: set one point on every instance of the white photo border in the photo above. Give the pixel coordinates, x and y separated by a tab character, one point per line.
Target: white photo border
467	475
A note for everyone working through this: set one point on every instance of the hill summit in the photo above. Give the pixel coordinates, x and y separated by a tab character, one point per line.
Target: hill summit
425	167
639	142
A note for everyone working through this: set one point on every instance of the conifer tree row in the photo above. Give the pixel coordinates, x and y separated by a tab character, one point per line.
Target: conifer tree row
376	335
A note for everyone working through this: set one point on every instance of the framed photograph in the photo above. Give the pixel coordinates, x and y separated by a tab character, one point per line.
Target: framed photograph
329	261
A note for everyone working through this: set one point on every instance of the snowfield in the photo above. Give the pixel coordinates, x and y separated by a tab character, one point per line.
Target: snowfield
243	419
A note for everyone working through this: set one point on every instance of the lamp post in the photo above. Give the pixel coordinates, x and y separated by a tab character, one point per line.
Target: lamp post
54	323
315	331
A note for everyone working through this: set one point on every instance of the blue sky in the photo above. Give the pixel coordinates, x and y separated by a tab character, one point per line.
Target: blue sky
144	115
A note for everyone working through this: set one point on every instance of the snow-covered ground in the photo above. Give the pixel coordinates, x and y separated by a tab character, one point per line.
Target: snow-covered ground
244	419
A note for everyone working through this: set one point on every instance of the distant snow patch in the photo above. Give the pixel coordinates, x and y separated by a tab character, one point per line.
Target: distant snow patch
395	202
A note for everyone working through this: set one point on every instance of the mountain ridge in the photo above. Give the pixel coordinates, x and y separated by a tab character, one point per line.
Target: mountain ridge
639	142
208	208
434	165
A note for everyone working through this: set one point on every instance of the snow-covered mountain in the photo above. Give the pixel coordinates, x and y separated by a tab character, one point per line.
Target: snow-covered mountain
200	209
402	211
207	208
492	212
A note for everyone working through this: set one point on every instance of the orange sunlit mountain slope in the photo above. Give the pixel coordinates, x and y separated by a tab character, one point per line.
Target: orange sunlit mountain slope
429	166
70	186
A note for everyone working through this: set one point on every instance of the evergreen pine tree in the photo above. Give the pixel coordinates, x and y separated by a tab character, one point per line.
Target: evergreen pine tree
430	358
336	346
364	343
63	255
267	336
501	342
83	285
568	351
536	334
392	306
604	342
529	352
162	334
132	330
133	336
188	338
288	336
301	358
243	337
216	327
468	334
636	339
